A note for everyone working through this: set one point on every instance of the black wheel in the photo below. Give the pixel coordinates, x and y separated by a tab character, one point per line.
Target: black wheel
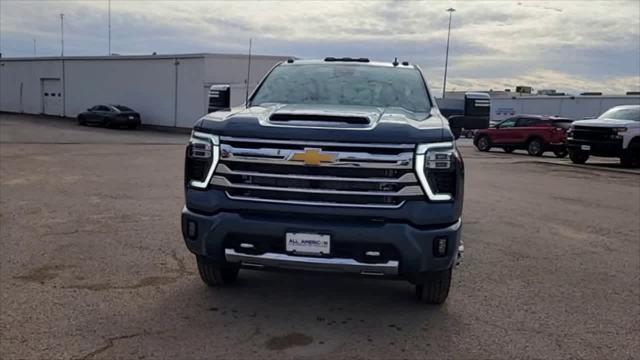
216	275
629	159
434	288
483	143
132	126
578	157
82	120
560	153
508	150
535	147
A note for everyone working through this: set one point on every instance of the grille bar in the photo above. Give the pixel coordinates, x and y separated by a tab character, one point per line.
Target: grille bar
405	191
408	178
342	158
230	139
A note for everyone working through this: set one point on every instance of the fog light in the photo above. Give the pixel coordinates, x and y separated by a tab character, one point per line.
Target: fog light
192	229
440	246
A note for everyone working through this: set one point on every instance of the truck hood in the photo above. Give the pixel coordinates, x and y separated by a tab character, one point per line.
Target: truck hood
607	123
328	123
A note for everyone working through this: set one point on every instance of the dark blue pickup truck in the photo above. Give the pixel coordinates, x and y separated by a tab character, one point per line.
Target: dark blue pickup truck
339	165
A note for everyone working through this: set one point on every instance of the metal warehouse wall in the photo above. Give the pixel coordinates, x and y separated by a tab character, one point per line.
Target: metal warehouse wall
166	90
575	107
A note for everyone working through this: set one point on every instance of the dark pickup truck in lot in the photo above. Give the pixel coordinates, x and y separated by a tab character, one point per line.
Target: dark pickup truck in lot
339	165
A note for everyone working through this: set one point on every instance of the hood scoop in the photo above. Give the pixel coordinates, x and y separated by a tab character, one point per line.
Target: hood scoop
319	120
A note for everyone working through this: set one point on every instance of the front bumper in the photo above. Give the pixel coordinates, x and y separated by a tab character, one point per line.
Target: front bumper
405	250
125	121
607	148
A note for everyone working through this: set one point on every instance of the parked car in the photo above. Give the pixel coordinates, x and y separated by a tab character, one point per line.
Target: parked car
291	181
468	133
110	116
534	133
616	133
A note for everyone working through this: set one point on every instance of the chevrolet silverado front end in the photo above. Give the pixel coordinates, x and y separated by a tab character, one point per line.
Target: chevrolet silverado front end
339	165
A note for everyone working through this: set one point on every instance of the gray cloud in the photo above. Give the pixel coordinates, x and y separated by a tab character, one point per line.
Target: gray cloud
572	45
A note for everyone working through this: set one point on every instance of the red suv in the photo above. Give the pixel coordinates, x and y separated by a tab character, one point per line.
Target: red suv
534	133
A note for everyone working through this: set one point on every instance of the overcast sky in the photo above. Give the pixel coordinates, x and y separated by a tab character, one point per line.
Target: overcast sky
567	45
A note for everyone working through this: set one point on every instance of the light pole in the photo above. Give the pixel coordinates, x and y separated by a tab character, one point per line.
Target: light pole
62	34
109	20
34	47
64	93
446	59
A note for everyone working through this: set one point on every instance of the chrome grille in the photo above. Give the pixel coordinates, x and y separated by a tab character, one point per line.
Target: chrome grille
358	175
592	133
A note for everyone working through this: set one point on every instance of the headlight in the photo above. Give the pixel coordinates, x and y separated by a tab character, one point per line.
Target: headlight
201	159
620	129
436	170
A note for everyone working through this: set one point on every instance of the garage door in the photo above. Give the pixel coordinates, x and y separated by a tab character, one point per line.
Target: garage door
52	97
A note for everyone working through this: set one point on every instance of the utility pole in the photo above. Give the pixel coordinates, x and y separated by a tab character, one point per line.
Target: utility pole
34	47
109	20
446	61
246	95
62	34
64	93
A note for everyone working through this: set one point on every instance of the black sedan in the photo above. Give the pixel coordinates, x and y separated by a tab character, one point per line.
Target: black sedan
110	116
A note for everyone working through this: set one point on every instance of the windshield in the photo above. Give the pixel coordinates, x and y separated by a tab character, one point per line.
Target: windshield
632	113
122	108
345	84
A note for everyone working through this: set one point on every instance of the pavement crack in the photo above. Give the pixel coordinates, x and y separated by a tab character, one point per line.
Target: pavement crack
110	343
43	273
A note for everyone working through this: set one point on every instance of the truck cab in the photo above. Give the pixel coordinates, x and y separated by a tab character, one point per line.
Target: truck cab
335	165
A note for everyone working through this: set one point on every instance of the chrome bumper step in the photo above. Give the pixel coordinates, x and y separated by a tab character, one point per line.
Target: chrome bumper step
285	261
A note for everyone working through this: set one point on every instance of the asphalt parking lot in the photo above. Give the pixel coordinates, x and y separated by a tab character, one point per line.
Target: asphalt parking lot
93	265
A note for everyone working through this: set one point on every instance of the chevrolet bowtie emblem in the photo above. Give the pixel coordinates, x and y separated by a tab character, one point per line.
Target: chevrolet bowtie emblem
313	157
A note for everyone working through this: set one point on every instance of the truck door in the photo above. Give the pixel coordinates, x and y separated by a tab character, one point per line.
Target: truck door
524	128
51	97
504	133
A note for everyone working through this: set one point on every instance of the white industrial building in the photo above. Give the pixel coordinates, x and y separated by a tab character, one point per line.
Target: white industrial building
167	90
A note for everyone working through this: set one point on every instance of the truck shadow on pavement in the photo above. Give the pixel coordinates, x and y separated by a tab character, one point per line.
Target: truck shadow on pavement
301	314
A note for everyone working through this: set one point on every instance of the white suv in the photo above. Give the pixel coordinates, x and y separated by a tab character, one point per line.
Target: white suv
616	133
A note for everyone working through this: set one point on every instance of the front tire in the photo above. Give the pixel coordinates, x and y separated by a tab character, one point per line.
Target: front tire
215	275
560	153
483	143
434	288
629	159
535	147
81	120
578	157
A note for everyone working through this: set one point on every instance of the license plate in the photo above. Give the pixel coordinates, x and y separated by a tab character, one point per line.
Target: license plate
585	147
130	117
307	243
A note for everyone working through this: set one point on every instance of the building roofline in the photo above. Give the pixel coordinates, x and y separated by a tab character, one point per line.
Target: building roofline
148	57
